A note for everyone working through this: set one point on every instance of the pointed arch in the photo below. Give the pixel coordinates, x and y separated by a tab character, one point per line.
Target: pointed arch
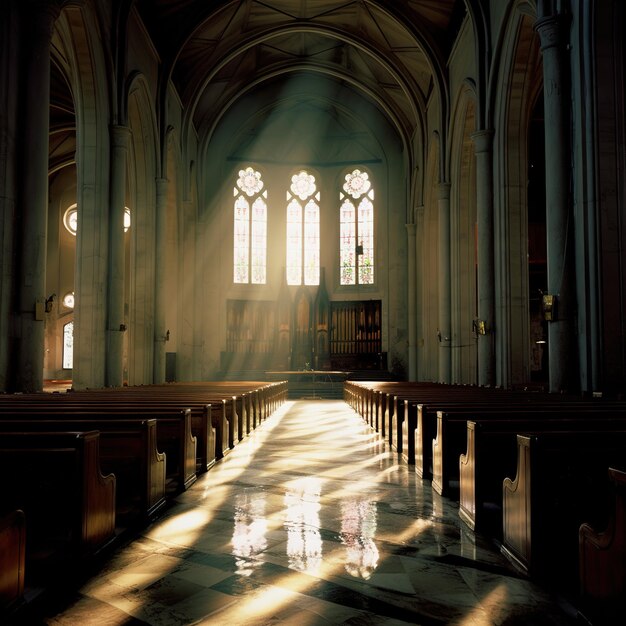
87	70
520	71
143	169
427	244
463	236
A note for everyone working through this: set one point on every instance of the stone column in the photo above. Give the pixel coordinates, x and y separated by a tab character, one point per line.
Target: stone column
559	219
419	289
412	317
116	328
483	142
160	332
32	201
445	359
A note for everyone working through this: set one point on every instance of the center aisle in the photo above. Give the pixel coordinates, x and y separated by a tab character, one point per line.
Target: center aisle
310	520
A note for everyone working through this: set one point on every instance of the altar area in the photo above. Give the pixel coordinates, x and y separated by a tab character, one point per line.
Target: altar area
311	384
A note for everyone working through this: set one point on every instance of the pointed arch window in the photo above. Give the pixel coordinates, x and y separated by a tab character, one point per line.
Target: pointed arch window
356	230
250	228
303	230
68	345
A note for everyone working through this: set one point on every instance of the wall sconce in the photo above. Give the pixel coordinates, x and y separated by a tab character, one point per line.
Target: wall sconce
49	302
480	327
167	336
548	306
122	328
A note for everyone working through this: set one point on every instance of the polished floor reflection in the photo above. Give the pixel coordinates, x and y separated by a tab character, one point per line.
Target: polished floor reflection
310	520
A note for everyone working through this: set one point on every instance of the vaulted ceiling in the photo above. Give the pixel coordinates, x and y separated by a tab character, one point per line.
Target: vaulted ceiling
392	53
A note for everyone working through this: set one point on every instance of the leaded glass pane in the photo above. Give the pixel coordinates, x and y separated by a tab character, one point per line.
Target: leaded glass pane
356	255
259	242
249	181
366	239
347	243
303	185
250	228
241	244
294	243
68	346
357	183
311	243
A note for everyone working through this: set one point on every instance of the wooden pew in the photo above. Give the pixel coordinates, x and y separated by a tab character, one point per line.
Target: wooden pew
174	436
128	449
69	505
206	418
12	559
602	560
491	456
560	482
450	439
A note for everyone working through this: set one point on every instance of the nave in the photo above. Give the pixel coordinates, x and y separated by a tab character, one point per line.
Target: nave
312	519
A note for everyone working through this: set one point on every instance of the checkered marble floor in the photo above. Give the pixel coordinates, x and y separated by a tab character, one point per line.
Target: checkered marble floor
310	520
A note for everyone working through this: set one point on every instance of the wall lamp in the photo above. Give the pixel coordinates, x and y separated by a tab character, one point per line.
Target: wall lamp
49	302
548	307
479	326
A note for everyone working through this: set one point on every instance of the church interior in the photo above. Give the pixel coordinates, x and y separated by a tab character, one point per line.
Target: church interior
359	254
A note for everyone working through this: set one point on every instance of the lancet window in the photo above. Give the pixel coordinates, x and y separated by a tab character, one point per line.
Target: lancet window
250	228
356	230
303	230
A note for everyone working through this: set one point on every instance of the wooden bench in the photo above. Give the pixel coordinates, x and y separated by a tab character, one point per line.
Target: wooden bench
128	449
450	439
12	559
560	482
69	505
602	560
491	456
174	436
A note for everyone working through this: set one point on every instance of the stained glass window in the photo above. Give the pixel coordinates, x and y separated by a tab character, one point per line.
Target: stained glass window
356	230
303	230
68	346
250	228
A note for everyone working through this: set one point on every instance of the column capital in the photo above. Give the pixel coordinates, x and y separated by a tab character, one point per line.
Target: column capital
483	140
549	30
411	229
443	191
120	135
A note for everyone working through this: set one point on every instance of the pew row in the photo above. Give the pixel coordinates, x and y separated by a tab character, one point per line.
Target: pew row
12	559
174	436
128	450
602	560
69	505
560	482
491	456
451	429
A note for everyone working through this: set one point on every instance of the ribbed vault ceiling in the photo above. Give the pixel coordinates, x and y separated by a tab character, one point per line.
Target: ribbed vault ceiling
389	51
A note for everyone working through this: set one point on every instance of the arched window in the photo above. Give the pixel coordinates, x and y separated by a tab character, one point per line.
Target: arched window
70	219
356	230
303	230
250	229
68	346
